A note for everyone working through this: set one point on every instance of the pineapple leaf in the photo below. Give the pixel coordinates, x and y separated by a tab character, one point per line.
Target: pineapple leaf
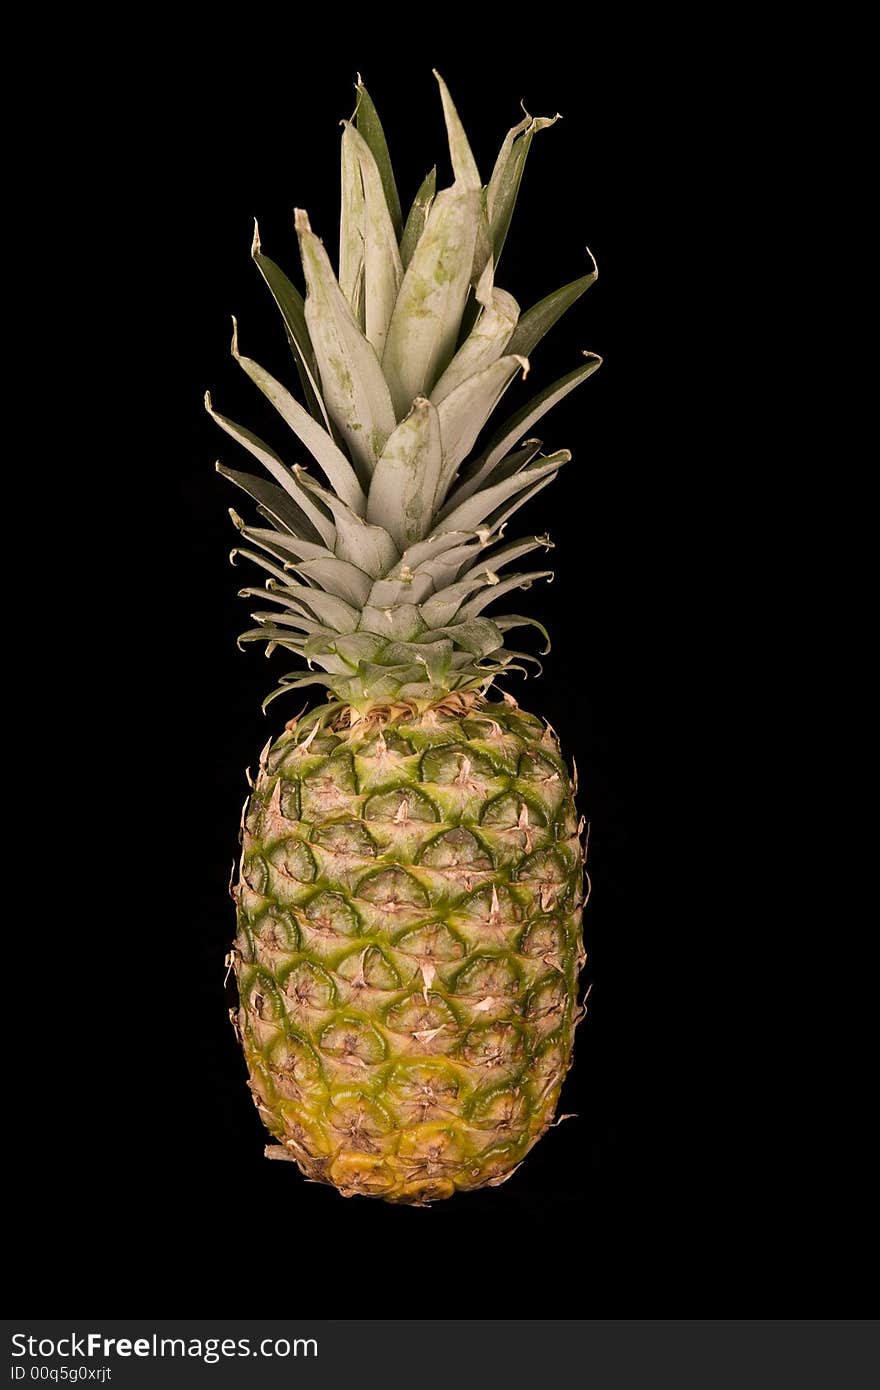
464	412
369	547
483	505
274	502
515	427
370	127
329	609
278	543
279	470
316	439
486	341
418	215
424	325
335	576
352	217
507	175
294	682
413	558
472	606
541	317
495	560
354	388
407	475
290	304
464	166
474	476
512	620
383	269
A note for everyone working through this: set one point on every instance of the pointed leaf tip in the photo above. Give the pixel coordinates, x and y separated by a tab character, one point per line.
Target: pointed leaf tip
234	346
301	220
256	245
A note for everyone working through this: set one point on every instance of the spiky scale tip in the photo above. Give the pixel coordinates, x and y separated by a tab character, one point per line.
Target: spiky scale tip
409	894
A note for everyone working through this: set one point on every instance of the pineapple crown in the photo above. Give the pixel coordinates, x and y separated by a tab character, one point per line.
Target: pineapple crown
382	577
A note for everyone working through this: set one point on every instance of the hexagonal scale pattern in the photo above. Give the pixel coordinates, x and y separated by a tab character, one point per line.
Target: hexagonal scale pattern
409	940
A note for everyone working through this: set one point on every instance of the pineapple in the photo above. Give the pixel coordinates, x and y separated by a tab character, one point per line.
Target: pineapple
410	889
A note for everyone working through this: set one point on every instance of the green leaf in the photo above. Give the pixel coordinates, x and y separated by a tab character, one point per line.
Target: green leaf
370	127
406	476
278	543
276	503
418	216
440	609
475	605
416	555
316	439
278	469
336	576
470	513
541	317
424	325
496	559
352	217
528	415
289	684
383	269
290	303
354	388
328	608
464	166
476	473
486	341
513	620
465	411
507	176
479	637
369	547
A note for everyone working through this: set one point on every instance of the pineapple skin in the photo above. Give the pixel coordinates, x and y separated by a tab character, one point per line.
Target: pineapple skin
409	940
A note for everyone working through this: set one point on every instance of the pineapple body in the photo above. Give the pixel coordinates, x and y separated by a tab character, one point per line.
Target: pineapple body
409	940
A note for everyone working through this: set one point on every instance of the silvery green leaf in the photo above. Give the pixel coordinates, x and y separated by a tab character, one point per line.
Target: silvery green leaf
465	410
267	633
516	426
424	325
496	558
478	637
354	388
476	473
488	338
327	608
352	218
405	479
416	555
370	127
472	606
275	504
468	516
507	175
512	620
383	270
440	609
464	166
278	543
388	592
290	683
541	317
335	576
279	470
316	439
401	622
295	620
369	547
443	570
418	216
290	303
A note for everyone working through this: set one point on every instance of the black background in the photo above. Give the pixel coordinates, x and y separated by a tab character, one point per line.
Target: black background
142	1179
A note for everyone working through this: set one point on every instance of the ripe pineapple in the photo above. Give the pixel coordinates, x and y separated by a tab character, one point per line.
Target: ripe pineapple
410	890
